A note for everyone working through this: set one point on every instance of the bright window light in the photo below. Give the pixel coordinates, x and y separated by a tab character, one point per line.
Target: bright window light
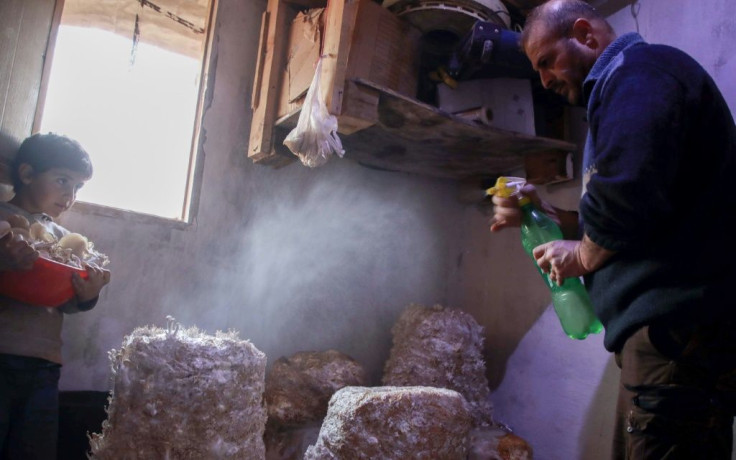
133	107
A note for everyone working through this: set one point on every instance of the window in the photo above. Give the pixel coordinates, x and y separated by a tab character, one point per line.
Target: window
126	81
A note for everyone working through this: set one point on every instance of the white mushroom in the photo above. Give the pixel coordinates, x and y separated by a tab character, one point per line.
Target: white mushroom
39	233
76	243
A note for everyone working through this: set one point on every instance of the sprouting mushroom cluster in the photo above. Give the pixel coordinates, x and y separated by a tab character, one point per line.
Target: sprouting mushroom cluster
71	249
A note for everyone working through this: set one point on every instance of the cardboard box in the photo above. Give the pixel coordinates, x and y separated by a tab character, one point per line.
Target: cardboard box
305	35
385	50
507	100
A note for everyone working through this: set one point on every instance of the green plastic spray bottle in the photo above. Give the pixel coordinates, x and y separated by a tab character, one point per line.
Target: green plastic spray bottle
570	300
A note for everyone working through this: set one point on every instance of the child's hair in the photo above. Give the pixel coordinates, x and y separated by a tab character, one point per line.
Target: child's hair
47	151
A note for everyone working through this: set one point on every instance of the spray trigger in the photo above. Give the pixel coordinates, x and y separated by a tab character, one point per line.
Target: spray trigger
506	186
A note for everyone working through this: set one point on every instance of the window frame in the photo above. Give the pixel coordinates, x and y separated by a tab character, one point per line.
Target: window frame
196	152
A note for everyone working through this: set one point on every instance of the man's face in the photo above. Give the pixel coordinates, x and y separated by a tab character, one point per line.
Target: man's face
562	63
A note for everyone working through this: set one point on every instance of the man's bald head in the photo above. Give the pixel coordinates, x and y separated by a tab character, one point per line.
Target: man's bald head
558	18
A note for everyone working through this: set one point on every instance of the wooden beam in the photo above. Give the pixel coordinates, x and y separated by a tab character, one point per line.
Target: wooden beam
339	25
271	56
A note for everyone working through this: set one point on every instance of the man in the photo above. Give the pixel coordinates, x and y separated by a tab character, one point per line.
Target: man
653	237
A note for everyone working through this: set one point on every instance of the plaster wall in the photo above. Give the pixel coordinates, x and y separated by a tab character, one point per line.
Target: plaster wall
555	392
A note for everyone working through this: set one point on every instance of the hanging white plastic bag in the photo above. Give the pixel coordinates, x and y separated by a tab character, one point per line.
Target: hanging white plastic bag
315	137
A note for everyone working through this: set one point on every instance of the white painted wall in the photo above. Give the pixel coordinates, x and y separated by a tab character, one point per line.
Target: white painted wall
555	392
704	29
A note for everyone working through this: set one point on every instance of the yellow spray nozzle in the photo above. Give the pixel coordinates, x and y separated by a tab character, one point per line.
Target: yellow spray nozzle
506	186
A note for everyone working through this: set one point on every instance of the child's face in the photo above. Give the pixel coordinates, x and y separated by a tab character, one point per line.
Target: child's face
52	191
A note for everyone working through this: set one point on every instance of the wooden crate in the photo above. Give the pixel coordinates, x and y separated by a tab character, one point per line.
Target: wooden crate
369	79
361	40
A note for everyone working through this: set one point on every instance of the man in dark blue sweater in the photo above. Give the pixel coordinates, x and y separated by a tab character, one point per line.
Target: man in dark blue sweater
653	237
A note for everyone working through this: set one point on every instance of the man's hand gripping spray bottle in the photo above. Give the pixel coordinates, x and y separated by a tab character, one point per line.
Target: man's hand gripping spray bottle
570	300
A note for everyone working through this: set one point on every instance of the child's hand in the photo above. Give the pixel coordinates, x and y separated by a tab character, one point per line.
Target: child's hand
88	289
15	253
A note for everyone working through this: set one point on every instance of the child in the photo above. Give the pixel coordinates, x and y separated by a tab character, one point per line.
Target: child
47	172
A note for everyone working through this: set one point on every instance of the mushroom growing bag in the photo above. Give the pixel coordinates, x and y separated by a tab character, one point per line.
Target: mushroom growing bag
315	138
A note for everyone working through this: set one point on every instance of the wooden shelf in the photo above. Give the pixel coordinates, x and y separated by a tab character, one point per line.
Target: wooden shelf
414	137
379	126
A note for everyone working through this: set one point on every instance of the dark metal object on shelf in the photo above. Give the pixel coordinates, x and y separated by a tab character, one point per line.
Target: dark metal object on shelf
489	51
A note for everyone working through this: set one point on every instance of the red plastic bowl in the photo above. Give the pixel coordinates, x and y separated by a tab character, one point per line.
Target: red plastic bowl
47	284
